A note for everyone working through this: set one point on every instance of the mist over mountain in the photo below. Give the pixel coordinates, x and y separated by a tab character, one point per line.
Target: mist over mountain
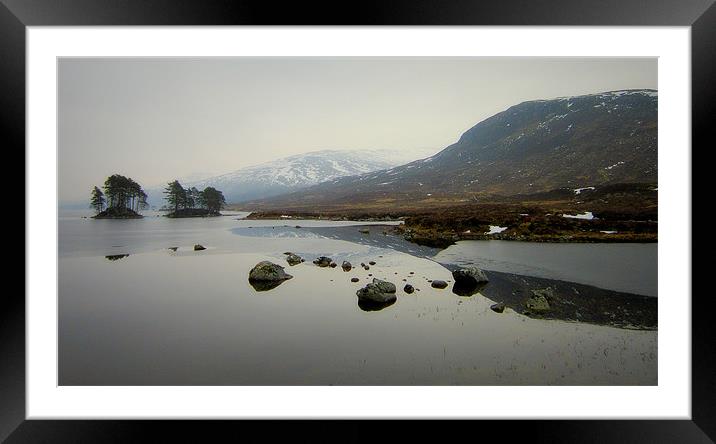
296	172
532	147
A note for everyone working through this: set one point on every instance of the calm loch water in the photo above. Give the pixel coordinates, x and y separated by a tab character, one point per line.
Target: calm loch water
148	315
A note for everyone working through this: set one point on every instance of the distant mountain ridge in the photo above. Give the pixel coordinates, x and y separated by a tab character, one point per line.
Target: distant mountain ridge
297	172
532	147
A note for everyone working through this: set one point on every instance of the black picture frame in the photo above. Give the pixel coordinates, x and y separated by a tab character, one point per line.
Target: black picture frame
16	15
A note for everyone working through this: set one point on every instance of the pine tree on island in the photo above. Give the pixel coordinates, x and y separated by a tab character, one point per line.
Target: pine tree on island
122	198
192	202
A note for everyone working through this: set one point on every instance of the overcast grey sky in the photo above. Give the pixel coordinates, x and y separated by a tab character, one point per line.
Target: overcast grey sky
155	119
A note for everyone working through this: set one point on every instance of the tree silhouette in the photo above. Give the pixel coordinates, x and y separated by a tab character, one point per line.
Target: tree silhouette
213	199
192	200
97	201
121	195
175	195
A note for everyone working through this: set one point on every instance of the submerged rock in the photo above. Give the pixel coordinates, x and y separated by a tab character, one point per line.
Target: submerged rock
293	259
498	308
539	301
346	266
199	247
173	248
267	275
438	284
323	261
408	289
364	231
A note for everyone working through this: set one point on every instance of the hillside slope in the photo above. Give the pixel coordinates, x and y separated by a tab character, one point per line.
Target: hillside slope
530	148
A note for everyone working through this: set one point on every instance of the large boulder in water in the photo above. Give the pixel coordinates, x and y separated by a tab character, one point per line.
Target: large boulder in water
384	286
377	291
468	281
266	271
470	275
376	295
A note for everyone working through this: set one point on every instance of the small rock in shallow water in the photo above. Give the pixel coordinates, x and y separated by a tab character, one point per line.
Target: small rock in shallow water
199	247
408	289
366	267
174	248
364	231
498	308
333	265
293	259
346	266
323	261
439	284
371	263
354	279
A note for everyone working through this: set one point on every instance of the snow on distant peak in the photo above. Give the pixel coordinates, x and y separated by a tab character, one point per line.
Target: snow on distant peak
301	170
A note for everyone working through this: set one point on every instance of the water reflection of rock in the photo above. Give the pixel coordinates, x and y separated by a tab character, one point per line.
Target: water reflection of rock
463	288
266	276
368	305
115	257
265	285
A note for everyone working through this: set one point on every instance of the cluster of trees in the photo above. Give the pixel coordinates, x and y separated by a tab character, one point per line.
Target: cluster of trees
180	198
120	193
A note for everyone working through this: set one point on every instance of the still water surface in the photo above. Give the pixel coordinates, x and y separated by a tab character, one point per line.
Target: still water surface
162	317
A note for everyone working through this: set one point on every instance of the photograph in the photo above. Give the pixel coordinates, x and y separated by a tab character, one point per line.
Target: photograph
357	221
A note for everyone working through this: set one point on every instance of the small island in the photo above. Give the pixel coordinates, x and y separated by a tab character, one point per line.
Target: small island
122	198
193	203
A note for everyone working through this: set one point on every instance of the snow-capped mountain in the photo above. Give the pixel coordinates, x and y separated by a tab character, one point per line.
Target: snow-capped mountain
296	172
533	147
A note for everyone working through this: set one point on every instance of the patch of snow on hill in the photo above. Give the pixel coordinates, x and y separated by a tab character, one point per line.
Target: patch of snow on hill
587	215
